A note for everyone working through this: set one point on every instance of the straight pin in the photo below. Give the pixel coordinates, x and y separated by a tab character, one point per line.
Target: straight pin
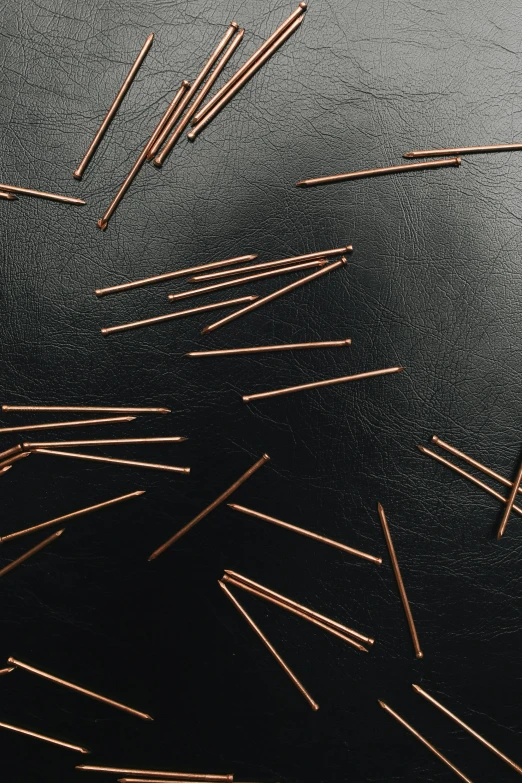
58	424
190	776
130	462
43	737
463	150
272	348
8	462
7	196
41	194
431	164
109	442
185	84
82	408
30	553
510	502
473	462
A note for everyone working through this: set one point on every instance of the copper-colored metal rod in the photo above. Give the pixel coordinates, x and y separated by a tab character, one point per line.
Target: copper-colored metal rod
260	594
510	502
7	670
270	647
240	83
190	776
44	738
8	462
319	384
400	583
112	460
4	470
431	164
109	442
82	409
465	726
7	196
308	533
463	150
41	194
159	160
288	602
58	424
424	742
114	108
285	270
158	319
274	295
116	289
72	515
162	780
30	553
337	251
215	503
8	452
104	220
78	689
196	84
478	465
272	348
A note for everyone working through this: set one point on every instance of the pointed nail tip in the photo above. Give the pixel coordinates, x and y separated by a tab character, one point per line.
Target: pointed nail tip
140	491
408	155
84	750
59	532
153	556
382	704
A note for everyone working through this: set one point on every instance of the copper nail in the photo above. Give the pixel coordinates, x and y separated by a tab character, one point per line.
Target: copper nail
424	742
130	462
400	583
319	384
253	69
270	264
109	442
164	780
7	196
178	314
431	164
7	670
307	533
9	452
200	97
247	279
473	462
57	424
116	289
114	108
251	60
215	503
43	737
29	553
41	194
304	609
465	726
510	502
274	295
104	221
71	515
469	476
272	348
7	462
270	647
77	688
462	150
157	773
289	608
82	409
196	84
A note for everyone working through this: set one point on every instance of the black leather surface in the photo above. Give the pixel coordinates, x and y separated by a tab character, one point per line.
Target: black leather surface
434	284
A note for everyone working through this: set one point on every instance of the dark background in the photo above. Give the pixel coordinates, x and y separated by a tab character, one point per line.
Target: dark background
434	284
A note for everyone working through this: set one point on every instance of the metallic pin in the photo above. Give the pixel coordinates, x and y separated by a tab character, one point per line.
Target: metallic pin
158	161
303	532
196	84
462	150
157	773
247	279
301	8
103	221
209	116
82	408
8	462
160	780
470	461
114	108
78	689
310	613
10	452
221	499
29	553
7	196
72	515
425	742
272	348
109	442
432	164
43	737
510	502
57	424
7	670
41	194
337	251
116	289
465	726
272	649
178	314
400	583
318	384
274	295
130	462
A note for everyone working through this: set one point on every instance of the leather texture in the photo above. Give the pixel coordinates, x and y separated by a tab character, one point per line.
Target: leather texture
433	284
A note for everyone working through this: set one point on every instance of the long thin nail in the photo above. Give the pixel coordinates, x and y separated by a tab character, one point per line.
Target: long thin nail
82	408
274	295
78	689
510	502
221	499
114	108
41	194
54	425
400	583
8	462
7	196
43	737
29	553
270	647
185	84
72	515
432	164
109	442
473	462
272	348
462	150
465	726
319	384
131	463
157	773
